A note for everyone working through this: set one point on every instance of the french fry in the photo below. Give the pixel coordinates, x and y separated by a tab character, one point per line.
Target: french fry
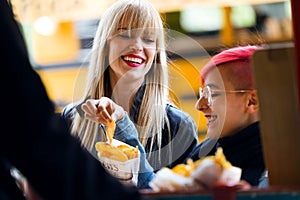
182	169
110	130
221	159
131	152
109	151
121	153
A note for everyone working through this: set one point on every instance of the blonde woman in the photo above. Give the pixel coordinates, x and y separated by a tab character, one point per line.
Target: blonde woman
128	81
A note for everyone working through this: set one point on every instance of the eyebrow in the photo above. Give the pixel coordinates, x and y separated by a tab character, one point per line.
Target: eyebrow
122	28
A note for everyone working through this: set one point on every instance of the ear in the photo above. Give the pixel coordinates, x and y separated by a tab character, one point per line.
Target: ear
253	105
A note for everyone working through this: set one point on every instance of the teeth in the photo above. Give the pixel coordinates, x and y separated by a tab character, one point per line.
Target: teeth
211	118
132	59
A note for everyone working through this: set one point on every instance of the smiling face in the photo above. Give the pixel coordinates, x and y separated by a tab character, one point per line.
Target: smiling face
129	47
131	53
229	112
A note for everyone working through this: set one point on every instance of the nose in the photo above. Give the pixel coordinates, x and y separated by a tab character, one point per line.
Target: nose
136	45
201	104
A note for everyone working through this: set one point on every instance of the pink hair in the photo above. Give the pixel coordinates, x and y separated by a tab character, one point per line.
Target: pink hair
235	54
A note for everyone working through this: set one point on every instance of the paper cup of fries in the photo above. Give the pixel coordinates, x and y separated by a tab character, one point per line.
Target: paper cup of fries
120	159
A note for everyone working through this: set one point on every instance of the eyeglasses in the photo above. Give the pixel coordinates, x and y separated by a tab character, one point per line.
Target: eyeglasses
209	93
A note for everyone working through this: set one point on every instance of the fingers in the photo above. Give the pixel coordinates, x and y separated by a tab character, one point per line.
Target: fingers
110	108
90	107
102	110
90	110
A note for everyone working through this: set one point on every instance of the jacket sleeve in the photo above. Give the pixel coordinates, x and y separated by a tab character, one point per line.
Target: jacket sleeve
126	132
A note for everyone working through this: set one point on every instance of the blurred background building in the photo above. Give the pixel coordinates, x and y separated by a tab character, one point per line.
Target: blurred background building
59	36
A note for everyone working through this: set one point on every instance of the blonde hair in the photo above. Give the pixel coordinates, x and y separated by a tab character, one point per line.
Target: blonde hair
132	14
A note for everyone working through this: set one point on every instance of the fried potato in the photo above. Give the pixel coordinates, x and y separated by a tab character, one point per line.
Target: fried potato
121	153
131	152
189	168
109	151
221	159
123	147
182	169
110	130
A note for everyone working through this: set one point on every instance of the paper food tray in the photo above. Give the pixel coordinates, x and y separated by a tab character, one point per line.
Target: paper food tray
126	172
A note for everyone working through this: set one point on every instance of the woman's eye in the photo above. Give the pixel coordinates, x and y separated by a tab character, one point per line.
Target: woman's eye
149	40
215	94
124	35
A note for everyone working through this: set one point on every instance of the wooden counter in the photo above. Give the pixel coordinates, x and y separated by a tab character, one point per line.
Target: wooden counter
229	193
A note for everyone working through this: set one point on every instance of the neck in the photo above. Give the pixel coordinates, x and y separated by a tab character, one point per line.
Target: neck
124	92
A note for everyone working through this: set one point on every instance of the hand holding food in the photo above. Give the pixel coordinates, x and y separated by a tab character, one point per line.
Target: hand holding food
102	110
204	173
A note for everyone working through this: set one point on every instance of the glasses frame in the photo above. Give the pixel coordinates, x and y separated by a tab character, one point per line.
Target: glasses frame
208	95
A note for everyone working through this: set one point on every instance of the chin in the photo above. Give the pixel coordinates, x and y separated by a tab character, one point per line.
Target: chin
213	133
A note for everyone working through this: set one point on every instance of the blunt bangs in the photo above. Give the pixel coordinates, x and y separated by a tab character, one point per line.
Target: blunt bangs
140	16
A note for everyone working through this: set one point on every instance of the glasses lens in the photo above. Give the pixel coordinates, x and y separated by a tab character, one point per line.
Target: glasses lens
200	93
206	93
